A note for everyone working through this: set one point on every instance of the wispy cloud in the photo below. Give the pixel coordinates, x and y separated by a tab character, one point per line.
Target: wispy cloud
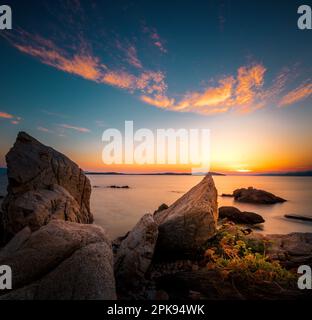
130	52
155	38
54	114
13	119
147	82
6	115
81	64
240	92
243	92
79	129
158	101
43	129
133	57
88	66
298	94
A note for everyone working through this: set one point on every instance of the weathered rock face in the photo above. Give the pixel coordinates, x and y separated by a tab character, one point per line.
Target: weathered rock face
188	223
135	254
237	216
61	260
292	250
252	195
43	184
37	207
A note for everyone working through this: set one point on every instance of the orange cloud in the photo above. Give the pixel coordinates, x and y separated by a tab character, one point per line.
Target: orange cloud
242	92
119	79
158	101
14	120
133	57
298	94
84	66
90	67
79	129
6	115
209	99
249	81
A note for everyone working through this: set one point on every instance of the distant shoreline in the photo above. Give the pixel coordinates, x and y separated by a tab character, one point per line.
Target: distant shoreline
287	174
151	174
277	174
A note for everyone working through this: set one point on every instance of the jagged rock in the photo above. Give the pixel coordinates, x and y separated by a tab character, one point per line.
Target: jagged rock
237	216
34	170
188	223
292	250
62	260
253	195
135	254
37	207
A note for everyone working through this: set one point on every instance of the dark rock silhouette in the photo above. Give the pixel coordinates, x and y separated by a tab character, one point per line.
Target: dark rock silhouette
237	216
43	184
253	195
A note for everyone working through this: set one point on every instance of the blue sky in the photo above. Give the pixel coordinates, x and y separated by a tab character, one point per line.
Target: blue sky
70	69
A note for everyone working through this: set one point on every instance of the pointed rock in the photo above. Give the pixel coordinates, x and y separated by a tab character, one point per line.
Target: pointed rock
188	223
43	184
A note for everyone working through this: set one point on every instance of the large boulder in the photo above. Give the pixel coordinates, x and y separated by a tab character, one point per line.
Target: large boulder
42	184
235	215
253	195
135	254
62	260
36	208
188	223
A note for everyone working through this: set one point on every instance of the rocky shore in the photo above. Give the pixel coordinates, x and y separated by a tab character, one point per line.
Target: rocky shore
189	250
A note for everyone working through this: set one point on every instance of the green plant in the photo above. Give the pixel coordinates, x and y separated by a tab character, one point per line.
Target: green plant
233	254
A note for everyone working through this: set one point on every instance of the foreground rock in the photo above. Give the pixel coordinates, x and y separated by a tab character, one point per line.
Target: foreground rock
235	265
62	260
237	216
211	285
292	250
188	223
43	184
252	195
134	255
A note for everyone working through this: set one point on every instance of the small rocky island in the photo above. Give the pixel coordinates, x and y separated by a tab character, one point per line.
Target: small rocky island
189	250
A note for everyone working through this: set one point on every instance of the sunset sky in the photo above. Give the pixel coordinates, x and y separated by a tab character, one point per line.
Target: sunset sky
71	69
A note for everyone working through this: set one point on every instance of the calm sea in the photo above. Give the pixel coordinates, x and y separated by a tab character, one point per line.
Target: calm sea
118	210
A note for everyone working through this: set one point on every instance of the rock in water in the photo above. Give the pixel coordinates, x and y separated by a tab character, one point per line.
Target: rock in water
42	183
60	261
135	254
188	223
253	195
298	217
237	216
